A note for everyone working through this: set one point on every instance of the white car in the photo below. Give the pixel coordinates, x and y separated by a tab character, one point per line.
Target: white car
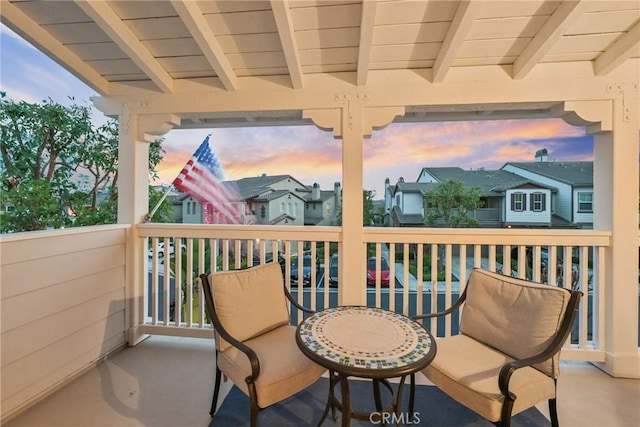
161	250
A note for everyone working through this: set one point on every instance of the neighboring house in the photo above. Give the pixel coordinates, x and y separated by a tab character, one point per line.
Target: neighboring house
507	199
573	201
273	200
191	210
404	203
322	207
520	194
276	200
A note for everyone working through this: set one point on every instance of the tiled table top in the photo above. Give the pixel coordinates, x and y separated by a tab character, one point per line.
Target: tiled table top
365	337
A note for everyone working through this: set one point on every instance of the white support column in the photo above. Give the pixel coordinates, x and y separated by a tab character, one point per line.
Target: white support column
135	133
353	121
616	197
352	269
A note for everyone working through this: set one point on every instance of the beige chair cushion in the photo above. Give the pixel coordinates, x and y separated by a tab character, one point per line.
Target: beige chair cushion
515	316
284	369
468	371
249	302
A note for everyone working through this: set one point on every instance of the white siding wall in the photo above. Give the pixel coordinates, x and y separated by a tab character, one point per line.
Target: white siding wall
287	184
563	196
528	216
413	204
62	305
426	177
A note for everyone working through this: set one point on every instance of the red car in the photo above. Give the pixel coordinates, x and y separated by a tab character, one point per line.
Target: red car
371	272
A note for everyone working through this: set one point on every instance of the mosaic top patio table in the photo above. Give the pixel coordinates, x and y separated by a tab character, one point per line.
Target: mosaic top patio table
365	342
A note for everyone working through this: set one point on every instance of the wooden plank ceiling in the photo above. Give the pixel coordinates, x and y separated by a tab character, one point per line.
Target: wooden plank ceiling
158	43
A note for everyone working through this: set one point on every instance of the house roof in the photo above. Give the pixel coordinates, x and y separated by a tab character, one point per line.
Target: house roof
490	182
257	186
406	219
324	195
232	50
413	187
272	195
572	173
280	218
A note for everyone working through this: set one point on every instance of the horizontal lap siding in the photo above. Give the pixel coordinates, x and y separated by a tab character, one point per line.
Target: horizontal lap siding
62	308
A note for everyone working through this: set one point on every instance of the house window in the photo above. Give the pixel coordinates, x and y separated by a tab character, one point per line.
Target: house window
585	202
281	206
538	202
188	208
518	202
327	208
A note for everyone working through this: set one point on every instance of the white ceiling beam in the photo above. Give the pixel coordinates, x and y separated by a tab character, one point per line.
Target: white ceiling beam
31	31
110	23
460	25
622	49
556	26
284	23
366	39
201	32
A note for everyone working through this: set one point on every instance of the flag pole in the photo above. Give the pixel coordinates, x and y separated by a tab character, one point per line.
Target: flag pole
147	217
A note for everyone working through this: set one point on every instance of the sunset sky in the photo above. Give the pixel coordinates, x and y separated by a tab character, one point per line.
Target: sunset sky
306	152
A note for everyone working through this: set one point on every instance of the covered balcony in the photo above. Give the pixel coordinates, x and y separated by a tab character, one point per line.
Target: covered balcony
73	299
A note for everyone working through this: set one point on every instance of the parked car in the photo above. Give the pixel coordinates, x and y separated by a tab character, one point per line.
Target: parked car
333	270
371	272
269	258
307	266
160	249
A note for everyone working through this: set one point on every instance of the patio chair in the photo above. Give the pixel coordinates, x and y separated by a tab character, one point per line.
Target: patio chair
255	342
506	357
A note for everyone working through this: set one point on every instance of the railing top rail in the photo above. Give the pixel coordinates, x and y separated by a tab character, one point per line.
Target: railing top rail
210	231
503	236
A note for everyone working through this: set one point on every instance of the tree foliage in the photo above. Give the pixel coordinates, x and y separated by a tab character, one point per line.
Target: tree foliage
449	204
57	168
368	211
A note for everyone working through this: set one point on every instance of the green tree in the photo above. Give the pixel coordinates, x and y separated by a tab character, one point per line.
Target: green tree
45	148
368	211
449	204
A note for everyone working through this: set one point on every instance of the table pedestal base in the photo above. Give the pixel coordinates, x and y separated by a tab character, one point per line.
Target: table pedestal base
344	404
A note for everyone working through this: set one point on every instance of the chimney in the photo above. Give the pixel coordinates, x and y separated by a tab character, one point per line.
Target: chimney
542	155
315	191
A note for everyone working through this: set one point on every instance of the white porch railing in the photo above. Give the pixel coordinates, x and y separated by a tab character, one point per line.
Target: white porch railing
428	269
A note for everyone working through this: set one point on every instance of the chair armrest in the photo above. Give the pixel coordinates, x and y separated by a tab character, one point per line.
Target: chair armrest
295	303
555	346
248	351
449	310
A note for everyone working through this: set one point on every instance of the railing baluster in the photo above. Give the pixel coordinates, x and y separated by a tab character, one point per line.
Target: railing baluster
405	279
420	278
447	286
434	287
177	284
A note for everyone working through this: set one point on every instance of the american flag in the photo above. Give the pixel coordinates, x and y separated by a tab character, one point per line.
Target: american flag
202	178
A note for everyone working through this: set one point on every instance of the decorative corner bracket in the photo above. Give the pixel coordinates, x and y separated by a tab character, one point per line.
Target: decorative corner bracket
152	126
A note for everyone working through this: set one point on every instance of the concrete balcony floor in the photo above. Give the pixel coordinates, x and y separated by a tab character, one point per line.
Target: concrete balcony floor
167	381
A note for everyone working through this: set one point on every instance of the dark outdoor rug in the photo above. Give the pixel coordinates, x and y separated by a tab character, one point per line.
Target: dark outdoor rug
433	408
